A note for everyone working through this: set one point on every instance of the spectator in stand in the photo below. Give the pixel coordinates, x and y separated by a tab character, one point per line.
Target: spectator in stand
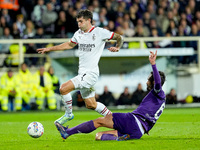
38	12
138	95
7	17
30	30
20	25
197	16
15	31
170	16
153	25
95	14
31	49
48	19
40	35
192	6
65	6
4	48
146	19
139	32
124	98
111	13
198	25
119	21
120	9
189	15
155	44
172	29
73	26
3	22
107	97
111	25
171	98
161	17
61	26
102	18
186	27
127	31
133	13
126	17
151	9
140	23
55	5
175	12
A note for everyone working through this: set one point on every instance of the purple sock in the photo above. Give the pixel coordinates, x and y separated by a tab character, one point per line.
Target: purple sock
85	127
106	137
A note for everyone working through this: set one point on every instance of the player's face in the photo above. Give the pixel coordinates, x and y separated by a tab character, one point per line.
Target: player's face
83	24
148	85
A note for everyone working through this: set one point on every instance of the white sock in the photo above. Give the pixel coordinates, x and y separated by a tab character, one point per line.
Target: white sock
67	100
102	109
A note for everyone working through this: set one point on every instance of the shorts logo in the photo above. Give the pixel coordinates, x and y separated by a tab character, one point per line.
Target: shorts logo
82	77
93	37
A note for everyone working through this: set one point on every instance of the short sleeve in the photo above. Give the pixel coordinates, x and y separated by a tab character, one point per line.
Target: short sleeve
74	39
106	34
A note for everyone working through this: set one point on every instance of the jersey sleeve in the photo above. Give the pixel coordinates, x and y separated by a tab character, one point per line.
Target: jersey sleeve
157	79
74	38
106	34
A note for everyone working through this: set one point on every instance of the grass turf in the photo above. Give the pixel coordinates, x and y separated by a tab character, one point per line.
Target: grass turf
176	129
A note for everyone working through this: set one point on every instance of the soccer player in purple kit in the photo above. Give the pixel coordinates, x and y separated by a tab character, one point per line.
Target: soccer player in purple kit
128	125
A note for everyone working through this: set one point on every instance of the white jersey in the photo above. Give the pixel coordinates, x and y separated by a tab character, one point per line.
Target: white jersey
90	47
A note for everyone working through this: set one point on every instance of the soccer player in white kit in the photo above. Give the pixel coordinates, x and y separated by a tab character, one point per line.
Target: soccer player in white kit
91	41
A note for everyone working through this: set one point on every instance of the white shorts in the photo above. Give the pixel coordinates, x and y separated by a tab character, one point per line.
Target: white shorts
84	83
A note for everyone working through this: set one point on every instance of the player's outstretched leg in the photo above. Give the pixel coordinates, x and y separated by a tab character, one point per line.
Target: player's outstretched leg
85	127
67	100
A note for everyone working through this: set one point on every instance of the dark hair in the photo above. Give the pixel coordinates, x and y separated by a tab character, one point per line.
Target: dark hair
162	76
86	14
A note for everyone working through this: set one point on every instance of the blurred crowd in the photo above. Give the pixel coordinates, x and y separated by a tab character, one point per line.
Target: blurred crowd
130	18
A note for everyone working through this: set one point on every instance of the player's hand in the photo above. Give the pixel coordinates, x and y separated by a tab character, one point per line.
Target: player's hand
43	50
113	49
152	57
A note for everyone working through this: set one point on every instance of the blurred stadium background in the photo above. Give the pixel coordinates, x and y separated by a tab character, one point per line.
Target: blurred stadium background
170	26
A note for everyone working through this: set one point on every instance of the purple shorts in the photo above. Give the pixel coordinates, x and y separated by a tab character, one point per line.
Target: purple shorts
125	123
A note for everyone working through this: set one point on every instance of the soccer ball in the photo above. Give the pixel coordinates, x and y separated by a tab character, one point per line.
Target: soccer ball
35	129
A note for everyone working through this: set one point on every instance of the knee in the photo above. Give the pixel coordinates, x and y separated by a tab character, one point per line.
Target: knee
61	89
99	122
91	105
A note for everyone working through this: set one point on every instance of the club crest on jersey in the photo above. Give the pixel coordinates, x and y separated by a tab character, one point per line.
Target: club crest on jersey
79	37
93	37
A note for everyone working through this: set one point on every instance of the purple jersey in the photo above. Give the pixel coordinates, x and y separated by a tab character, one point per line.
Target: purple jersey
152	105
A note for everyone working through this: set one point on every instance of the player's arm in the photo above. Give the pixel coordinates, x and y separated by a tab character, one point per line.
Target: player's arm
156	75
63	46
119	42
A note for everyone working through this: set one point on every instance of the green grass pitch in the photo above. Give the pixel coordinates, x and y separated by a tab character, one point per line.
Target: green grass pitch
176	129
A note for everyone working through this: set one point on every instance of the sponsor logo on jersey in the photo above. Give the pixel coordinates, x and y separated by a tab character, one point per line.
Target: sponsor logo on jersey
86	47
